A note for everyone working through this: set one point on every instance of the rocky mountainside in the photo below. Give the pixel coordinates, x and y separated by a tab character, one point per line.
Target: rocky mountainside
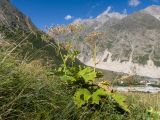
12	17
154	10
129	44
24	40
100	20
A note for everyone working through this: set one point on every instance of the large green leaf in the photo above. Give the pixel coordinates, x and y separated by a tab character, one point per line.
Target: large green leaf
96	96
87	74
120	100
81	97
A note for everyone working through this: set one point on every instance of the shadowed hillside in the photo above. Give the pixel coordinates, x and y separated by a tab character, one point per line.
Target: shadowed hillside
26	41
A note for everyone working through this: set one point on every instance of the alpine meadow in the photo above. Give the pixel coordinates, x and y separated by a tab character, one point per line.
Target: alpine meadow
92	65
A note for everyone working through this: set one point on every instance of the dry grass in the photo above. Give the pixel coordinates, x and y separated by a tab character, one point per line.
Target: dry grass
145	100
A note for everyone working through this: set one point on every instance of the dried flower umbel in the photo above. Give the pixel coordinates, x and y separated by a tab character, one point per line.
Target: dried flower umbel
62	30
57	30
91	39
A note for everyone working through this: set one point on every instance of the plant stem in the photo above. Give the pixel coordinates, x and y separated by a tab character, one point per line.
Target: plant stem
94	56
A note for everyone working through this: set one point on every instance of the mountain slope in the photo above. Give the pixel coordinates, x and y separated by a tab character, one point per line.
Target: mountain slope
153	10
133	46
25	40
130	44
12	17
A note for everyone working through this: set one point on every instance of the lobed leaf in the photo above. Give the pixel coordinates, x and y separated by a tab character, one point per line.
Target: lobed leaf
120	100
96	96
87	74
81	97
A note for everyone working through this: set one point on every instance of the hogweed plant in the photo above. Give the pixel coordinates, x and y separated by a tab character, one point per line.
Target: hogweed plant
91	39
88	94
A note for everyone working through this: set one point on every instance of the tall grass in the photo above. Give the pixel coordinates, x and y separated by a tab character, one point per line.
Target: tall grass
27	92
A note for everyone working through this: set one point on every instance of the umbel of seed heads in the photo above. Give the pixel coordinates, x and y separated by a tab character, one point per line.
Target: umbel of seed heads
59	30
62	29
92	38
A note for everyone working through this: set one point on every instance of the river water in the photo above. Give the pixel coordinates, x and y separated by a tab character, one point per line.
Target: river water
146	89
